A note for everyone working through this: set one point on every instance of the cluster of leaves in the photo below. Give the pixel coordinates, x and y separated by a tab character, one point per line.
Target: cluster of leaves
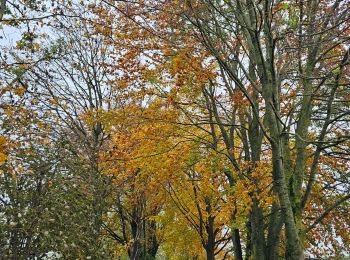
174	129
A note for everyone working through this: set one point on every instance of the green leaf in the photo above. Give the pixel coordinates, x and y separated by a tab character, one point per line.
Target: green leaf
285	6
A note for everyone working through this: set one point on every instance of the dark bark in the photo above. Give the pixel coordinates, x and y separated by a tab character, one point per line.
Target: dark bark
237	247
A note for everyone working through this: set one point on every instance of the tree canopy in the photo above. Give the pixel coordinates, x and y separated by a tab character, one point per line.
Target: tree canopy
180	129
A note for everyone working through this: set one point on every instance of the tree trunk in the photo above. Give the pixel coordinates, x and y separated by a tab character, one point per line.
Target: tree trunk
294	249
257	235
274	233
210	253
237	247
2	8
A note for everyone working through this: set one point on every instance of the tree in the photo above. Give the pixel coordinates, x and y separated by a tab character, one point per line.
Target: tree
58	93
177	129
284	84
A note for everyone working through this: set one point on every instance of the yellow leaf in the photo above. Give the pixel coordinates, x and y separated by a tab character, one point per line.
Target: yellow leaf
3	158
20	91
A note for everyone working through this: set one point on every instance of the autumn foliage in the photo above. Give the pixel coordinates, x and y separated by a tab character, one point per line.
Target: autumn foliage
174	129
